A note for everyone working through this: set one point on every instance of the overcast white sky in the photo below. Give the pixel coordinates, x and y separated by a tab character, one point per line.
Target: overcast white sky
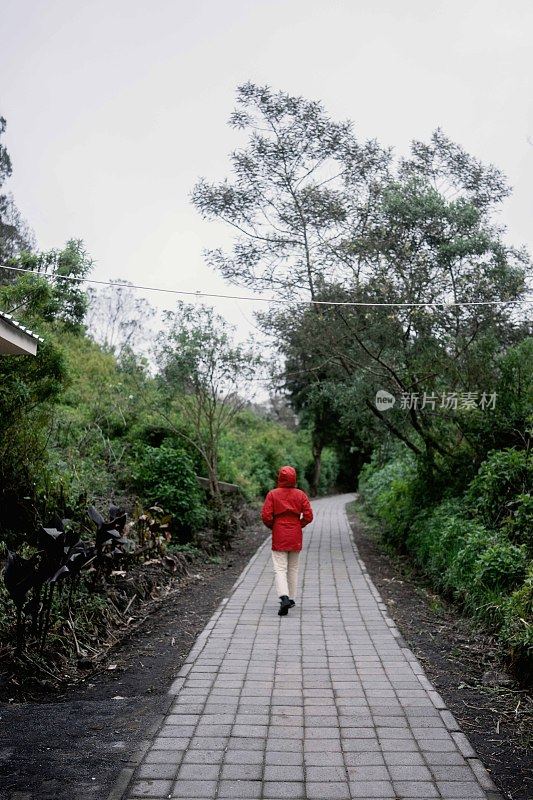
116	107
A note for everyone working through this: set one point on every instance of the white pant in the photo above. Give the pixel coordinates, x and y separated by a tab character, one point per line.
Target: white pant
286	571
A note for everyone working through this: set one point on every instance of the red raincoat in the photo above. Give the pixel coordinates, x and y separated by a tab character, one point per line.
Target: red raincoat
286	511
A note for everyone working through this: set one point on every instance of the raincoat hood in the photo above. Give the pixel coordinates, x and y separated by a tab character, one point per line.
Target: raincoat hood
286	477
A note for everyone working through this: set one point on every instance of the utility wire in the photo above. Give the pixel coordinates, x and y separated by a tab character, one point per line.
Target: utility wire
279	300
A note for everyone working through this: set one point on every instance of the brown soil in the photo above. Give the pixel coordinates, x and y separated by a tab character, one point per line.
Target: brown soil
459	659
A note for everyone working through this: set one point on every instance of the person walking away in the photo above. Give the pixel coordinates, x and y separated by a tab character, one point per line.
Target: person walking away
286	511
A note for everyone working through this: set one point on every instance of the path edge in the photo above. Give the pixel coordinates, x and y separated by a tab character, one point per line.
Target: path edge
126	774
469	754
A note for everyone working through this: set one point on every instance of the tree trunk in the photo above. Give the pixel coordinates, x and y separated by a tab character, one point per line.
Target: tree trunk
317	463
214	487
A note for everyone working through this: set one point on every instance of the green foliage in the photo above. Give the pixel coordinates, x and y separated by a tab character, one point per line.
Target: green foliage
437	536
500	495
329	471
15	236
62	301
518	526
500	567
388	492
467	544
472	539
203	375
517	617
165	477
29	386
254	448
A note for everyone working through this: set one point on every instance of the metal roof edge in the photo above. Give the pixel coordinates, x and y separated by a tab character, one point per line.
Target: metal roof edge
12	321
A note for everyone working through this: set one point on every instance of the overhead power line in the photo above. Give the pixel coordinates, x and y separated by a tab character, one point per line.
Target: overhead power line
279	300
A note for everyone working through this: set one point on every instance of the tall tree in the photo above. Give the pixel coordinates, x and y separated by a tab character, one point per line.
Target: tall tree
205	376
318	215
62	296
302	186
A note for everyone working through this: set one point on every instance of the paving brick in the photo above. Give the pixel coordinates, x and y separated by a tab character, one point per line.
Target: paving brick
285	772
320	758
321	774
363	759
409	773
240	789
412	788
278	790
203	757
151	788
327	790
164	756
176	731
481	774
326	703
371	789
243	757
368	773
250	772
208	742
194	772
158	771
459	790
197	789
167	743
240	743
288	745
459	772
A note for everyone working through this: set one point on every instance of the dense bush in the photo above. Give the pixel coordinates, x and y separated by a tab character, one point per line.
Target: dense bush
475	548
254	448
165	476
388	492
500	495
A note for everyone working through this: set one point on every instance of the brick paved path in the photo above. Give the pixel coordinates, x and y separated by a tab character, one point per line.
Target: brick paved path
327	703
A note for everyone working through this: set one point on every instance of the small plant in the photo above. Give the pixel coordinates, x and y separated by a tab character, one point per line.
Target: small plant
153	529
60	557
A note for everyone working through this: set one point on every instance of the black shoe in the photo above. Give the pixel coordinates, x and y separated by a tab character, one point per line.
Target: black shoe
284	606
291	603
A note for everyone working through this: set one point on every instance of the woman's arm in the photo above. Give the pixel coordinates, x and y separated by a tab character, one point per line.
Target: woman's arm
307	511
267	513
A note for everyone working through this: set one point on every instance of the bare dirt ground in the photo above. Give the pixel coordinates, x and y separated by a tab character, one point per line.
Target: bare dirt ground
73	745
462	662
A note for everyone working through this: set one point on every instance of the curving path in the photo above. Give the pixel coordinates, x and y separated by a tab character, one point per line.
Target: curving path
327	703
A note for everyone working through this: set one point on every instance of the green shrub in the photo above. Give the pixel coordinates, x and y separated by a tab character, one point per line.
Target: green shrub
436	538
461	570
480	565
499	494
500	567
517	618
254	448
518	525
165	476
388	493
